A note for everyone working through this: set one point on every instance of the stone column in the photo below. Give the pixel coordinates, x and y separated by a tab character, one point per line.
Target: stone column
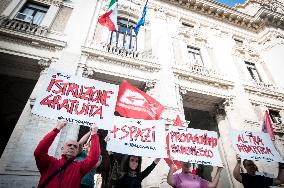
225	148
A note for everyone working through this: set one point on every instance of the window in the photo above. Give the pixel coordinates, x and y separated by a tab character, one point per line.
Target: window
32	13
275	116
194	55
125	36
252	71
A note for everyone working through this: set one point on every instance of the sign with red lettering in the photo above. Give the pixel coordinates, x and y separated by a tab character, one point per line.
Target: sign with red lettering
78	100
194	146
254	146
138	137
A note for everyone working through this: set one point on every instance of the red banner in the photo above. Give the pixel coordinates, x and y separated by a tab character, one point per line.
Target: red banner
177	165
267	125
134	103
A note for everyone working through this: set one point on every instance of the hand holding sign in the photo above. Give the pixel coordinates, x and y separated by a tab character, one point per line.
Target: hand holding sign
254	146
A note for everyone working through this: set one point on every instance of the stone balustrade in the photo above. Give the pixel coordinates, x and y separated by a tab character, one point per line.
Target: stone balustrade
204	71
21	26
278	128
120	50
124	52
262	85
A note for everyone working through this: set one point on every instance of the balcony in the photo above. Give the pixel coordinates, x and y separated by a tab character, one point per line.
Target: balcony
21	26
202	73
116	54
13	29
263	88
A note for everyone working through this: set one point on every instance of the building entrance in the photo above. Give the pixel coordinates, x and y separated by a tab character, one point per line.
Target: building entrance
17	82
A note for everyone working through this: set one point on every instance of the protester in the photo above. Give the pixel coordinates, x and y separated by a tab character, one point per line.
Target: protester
88	180
133	176
185	179
64	172
250	179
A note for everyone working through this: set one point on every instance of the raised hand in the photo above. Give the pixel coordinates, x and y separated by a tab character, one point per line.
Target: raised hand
61	124
238	157
157	160
94	129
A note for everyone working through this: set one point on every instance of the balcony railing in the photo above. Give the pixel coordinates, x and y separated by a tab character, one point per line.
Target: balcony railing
204	71
21	26
278	127
262	86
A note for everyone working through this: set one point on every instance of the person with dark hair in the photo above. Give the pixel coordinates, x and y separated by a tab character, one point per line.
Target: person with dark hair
64	172
132	176
88	180
250	179
186	179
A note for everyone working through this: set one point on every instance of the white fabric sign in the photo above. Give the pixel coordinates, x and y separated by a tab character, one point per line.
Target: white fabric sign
194	146
78	100
254	146
138	137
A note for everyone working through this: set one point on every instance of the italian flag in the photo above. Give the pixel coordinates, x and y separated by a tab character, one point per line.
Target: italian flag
109	19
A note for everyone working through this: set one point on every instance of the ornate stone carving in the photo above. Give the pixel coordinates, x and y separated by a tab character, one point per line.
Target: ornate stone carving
150	85
192	35
247	51
229	103
273	5
182	90
44	63
271	39
220	111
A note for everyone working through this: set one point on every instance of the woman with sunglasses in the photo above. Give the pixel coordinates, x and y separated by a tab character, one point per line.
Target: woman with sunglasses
133	176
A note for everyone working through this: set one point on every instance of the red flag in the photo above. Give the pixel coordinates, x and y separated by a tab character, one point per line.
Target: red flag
177	121
267	125
177	165
134	103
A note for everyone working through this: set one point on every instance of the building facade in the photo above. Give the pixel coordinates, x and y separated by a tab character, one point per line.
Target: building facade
215	66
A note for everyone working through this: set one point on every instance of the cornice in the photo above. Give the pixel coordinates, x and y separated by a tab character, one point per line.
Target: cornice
30	42
108	57
203	76
90	72
225	95
266	103
270	18
264	90
272	5
31	39
50	2
220	12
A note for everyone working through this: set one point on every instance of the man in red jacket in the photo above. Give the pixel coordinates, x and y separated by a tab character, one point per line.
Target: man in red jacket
72	174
